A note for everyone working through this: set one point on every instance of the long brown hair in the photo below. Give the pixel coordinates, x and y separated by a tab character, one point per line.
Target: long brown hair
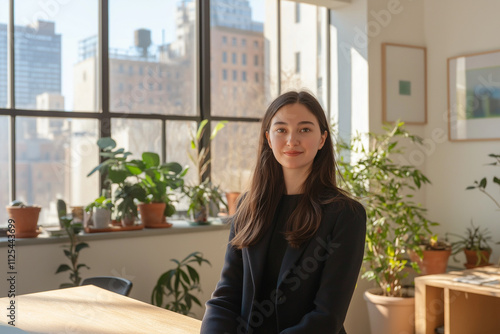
257	207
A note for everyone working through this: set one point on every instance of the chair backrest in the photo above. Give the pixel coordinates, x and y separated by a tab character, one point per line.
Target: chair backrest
119	285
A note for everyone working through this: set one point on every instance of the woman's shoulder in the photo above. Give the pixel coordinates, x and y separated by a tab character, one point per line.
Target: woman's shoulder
339	202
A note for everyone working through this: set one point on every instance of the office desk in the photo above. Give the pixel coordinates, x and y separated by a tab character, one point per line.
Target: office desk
89	309
462	308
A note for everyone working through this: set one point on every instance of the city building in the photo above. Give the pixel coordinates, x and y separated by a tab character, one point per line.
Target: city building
37	61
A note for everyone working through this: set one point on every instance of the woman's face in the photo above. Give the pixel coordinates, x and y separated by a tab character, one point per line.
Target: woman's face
295	137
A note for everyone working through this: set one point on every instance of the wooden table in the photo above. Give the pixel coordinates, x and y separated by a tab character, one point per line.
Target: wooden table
89	309
462	308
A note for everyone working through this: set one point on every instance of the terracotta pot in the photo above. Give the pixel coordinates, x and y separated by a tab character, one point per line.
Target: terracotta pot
390	315
26	220
433	261
152	213
471	257
231	202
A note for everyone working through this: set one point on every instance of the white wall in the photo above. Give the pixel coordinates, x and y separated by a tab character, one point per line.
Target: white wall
453	28
139	259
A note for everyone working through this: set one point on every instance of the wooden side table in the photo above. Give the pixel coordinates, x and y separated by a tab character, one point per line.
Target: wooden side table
462	308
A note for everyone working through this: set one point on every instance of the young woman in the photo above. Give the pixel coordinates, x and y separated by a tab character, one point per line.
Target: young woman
296	240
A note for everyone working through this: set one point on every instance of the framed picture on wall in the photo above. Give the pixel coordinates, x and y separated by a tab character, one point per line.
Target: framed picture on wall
474	97
404	87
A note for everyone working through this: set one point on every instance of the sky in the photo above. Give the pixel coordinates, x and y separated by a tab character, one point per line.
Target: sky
78	19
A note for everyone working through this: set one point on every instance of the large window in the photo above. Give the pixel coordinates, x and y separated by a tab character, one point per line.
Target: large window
155	41
239	21
145	84
49	54
53	157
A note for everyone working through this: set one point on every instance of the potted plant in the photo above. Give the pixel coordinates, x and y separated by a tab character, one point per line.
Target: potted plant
126	208
156	180
432	257
204	197
100	210
72	252
394	222
178	284
474	244
25	218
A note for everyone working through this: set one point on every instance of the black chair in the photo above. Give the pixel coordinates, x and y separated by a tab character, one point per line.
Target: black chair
119	285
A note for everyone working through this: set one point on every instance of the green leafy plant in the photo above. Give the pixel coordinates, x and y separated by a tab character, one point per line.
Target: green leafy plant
475	238
177	285
125	197
394	221
72	251
149	173
483	183
100	203
204	193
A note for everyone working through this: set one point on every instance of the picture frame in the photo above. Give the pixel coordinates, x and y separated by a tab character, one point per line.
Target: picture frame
404	83
474	97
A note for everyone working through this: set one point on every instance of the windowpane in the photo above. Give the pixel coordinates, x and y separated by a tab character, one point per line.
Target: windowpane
53	158
232	162
303	48
137	135
178	146
238	28
55	55
155	41
4	17
4	168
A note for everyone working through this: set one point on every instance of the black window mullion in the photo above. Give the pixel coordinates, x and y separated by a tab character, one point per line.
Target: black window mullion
204	74
103	70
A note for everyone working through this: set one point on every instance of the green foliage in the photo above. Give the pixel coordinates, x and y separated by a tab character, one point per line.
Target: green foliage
177	285
483	183
475	239
72	251
204	192
100	203
202	195
17	203
146	180
394	221
198	156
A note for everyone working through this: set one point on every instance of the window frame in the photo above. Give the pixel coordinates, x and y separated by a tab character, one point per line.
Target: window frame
104	115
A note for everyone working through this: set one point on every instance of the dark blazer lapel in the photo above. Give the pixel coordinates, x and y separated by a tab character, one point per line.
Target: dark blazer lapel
292	255
257	259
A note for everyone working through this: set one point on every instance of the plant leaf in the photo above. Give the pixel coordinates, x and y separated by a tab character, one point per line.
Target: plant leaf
62	268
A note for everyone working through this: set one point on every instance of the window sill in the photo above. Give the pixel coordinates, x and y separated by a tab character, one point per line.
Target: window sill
179	227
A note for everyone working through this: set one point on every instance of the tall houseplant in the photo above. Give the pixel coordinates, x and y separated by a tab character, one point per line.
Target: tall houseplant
72	252
202	195
394	221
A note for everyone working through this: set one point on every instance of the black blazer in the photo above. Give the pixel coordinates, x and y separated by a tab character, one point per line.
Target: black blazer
315	284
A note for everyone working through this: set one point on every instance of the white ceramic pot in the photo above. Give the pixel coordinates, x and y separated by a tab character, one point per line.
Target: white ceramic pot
390	315
101	218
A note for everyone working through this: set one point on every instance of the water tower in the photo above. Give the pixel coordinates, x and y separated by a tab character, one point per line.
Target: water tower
143	40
